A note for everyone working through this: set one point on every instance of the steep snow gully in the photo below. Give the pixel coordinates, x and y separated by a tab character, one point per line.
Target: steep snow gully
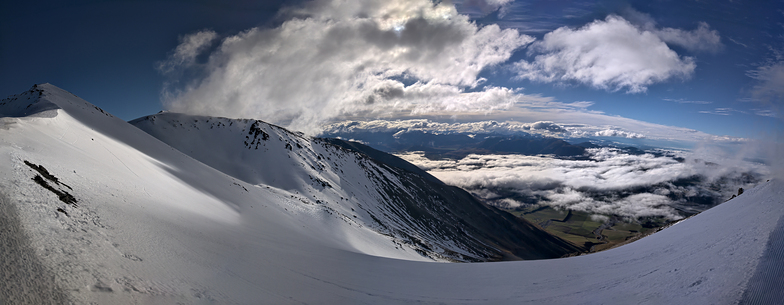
311	222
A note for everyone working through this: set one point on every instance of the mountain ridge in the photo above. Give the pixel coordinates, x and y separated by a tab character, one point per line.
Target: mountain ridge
394	206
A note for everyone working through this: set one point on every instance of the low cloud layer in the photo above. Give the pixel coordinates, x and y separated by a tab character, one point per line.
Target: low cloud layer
614	54
618	133
427	126
611	183
544	128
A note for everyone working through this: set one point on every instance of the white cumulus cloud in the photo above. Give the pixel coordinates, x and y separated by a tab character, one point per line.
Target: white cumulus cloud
611	54
334	58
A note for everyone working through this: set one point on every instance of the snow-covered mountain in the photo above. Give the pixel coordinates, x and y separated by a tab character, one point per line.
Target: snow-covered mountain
93	210
414	210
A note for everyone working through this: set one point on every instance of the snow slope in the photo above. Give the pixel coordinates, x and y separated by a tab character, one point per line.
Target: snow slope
151	225
141	201
438	221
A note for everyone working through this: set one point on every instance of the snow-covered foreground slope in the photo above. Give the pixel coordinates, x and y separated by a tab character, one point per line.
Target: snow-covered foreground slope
145	211
152	225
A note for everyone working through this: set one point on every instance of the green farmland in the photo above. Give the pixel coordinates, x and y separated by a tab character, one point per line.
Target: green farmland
578	227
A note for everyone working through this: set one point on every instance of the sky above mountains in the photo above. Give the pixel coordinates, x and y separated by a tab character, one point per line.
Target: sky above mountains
715	67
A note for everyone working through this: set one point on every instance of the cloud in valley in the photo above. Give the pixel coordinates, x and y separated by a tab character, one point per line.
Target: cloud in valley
610	183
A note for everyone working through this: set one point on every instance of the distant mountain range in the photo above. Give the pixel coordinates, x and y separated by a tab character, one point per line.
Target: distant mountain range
457	146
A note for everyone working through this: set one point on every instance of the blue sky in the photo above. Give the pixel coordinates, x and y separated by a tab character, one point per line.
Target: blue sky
398	60
716	98
105	51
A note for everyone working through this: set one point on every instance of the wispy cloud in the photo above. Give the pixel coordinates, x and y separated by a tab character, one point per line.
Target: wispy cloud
765	112
768	90
185	54
737	42
683	101
770	81
722	111
701	39
517	15
481	8
748	100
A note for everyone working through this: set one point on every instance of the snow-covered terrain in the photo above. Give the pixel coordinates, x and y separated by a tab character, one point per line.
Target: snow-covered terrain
103	212
438	221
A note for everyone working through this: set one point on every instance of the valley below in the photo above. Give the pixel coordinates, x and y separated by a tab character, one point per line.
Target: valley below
592	235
